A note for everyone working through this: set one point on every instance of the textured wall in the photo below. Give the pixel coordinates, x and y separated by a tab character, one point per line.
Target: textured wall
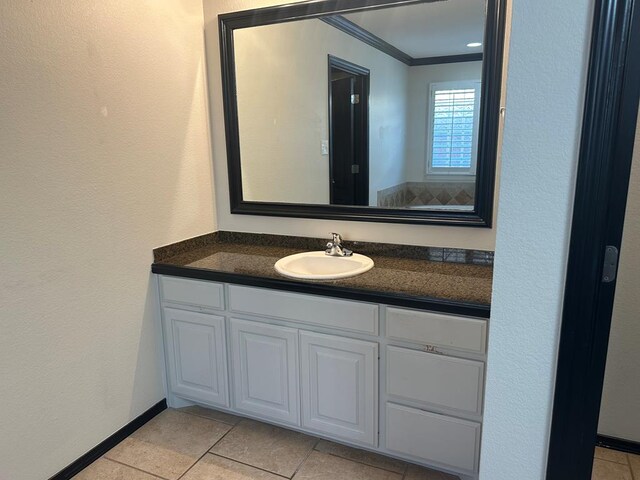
104	155
545	96
473	238
621	396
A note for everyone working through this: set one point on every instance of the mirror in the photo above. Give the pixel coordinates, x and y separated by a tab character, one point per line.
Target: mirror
364	110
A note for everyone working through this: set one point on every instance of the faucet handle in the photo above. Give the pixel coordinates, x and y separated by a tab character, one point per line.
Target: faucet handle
337	239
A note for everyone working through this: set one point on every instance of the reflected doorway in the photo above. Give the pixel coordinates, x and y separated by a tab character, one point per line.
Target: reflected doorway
348	133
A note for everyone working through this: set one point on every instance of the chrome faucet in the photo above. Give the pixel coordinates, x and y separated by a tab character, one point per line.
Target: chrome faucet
335	248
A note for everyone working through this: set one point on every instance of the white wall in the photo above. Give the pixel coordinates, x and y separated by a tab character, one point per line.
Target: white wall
104	155
545	95
419	80
281	76
480	238
620	410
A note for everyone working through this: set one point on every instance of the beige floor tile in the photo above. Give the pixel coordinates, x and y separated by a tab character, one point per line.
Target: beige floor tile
103	469
610	455
212	414
362	456
634	461
322	466
265	446
415	472
603	470
212	467
169	444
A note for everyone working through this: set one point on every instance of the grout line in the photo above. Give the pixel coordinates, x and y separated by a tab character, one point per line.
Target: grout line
207	451
209	418
134	468
406	470
628	465
313	449
611	449
633	476
247	465
624	462
221	438
193	465
368	464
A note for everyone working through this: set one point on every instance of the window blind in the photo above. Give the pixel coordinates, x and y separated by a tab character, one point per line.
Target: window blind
453	121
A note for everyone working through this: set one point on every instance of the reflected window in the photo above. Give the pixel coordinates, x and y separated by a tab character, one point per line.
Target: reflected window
454	111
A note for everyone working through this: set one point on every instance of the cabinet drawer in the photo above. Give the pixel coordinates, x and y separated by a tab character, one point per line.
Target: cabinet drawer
431	328
435	379
328	312
448	441
192	292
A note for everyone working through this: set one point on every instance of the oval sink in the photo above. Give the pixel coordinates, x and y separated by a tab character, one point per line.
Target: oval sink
319	266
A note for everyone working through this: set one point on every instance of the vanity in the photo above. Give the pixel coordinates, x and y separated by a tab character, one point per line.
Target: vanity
382	111
392	371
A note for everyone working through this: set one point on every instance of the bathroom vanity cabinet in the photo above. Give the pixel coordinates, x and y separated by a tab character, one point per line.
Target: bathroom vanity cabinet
403	382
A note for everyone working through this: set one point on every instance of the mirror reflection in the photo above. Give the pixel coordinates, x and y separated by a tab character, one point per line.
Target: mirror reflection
374	108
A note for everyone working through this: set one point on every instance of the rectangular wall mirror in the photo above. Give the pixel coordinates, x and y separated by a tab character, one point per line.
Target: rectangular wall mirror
364	109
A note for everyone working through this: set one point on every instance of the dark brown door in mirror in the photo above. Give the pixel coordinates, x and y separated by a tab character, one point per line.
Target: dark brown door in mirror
348	144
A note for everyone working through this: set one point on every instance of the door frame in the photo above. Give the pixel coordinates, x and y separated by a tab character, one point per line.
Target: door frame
362	180
606	148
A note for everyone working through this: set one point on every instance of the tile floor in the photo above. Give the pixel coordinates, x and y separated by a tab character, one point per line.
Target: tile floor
195	443
612	465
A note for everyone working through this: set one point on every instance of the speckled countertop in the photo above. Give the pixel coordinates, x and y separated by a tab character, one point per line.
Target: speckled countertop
403	275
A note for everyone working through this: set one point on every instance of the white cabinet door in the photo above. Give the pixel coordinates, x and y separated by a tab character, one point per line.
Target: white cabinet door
196	356
265	370
340	387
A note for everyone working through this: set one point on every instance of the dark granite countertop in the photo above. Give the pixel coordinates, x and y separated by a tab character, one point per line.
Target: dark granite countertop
450	280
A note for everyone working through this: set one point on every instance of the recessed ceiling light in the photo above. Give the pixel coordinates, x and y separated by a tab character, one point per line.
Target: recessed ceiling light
474	44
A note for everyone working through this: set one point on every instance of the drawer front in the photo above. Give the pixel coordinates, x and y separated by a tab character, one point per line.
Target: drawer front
435	379
448	441
327	312
192	292
437	329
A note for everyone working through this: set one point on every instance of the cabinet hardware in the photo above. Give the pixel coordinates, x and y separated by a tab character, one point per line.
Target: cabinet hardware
430	349
610	267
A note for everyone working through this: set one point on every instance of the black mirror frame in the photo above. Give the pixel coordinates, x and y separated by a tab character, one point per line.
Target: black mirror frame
490	111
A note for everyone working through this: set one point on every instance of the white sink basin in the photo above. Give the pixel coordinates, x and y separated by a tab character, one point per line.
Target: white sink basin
319	266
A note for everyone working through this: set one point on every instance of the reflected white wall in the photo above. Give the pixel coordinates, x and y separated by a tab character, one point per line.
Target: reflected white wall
283	106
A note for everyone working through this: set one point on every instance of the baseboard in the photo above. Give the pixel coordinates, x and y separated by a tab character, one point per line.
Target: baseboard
618	444
106	445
